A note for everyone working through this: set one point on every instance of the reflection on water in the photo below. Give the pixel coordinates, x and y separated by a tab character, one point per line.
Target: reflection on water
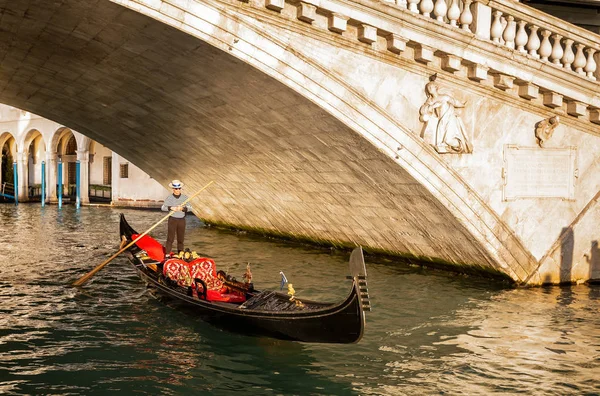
429	332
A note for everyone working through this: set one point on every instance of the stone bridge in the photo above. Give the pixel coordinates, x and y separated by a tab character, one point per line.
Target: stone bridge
463	133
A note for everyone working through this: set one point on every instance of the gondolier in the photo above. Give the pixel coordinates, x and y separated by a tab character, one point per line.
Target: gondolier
176	226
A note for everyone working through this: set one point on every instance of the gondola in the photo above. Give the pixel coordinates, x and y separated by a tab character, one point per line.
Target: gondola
236	306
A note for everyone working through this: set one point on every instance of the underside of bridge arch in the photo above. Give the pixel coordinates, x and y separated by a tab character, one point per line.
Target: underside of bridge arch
178	107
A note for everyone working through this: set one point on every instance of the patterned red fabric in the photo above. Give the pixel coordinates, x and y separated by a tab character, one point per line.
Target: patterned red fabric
178	270
153	248
205	269
185	273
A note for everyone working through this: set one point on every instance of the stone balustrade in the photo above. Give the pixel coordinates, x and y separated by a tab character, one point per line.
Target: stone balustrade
568	56
543	37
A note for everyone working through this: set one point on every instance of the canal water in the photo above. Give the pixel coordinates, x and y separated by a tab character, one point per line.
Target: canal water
430	332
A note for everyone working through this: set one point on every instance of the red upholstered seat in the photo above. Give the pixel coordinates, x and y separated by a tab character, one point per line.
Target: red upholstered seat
185	273
205	269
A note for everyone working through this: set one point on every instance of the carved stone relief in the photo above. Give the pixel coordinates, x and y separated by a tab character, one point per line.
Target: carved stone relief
544	129
443	129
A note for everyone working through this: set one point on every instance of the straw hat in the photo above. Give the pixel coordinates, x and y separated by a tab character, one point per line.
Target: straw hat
176	184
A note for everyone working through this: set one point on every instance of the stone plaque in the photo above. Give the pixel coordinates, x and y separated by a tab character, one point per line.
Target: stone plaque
533	172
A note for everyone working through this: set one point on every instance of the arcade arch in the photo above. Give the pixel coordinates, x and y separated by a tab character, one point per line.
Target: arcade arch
34	150
8	149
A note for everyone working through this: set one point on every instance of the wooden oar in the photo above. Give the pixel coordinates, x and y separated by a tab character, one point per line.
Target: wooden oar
87	276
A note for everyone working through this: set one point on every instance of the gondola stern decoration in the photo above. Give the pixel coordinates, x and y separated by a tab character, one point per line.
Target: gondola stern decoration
358	271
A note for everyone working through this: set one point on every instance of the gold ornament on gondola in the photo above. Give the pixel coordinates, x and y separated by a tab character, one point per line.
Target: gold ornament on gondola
248	274
291	292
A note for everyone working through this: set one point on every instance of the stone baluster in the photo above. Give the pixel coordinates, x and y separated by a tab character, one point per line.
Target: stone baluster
503	22
496	30
557	50
510	32
439	10
568	56
412	6
466	18
534	41
521	37
545	47
591	65
401	3
426	7
580	61
453	12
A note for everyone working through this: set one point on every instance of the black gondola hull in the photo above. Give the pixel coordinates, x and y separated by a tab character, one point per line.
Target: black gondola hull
341	322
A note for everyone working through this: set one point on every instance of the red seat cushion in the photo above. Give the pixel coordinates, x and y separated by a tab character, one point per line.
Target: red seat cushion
213	295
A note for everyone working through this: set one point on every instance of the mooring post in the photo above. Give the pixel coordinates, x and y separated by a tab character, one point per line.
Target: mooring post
43	197
60	187
78	184
16	181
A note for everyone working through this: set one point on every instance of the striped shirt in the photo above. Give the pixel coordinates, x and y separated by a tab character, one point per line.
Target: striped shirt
172	200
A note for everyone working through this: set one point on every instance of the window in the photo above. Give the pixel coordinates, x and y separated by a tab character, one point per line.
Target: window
124	171
71	146
72	172
107	171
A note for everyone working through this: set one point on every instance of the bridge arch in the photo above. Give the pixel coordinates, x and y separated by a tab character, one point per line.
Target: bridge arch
233	35
33	146
211	92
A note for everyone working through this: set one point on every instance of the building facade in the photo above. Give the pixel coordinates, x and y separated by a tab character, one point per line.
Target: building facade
32	144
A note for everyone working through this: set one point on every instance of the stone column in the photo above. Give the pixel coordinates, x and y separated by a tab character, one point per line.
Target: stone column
51	179
83	156
114	184
22	172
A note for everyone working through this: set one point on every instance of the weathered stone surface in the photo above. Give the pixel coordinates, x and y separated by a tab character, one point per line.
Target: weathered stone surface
595	116
338	23
552	99
450	63
503	82
395	43
477	72
367	34
423	54
275	5
576	109
307	12
528	91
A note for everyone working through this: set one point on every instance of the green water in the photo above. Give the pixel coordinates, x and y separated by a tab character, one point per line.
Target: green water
430	332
